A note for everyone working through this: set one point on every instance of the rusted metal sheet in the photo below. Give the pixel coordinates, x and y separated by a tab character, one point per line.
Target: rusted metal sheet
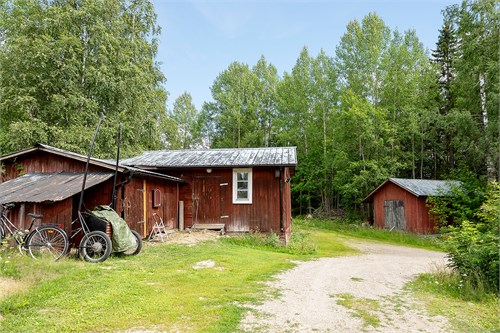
234	157
48	187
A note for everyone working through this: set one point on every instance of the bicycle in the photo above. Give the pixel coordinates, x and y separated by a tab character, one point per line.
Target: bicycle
47	241
95	245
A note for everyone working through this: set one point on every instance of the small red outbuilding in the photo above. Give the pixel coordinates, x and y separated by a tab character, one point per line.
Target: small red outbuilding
400	204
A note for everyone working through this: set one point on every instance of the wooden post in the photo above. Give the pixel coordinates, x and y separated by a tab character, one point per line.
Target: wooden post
181	215
144	203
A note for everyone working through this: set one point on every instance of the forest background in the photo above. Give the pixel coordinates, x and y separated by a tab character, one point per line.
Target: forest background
381	106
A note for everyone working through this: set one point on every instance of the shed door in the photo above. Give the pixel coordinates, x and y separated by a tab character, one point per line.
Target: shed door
206	200
394	214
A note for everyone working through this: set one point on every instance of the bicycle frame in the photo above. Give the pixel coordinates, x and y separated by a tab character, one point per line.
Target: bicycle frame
83	226
41	241
13	230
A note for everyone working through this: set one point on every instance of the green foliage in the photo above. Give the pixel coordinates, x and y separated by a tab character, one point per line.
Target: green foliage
188	125
459	203
471	92
242	111
473	252
472	240
473	246
468	308
80	59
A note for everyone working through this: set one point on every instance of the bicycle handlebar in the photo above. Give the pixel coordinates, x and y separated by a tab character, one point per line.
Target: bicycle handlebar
8	206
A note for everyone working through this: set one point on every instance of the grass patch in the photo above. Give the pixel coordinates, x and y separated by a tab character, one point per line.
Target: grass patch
158	289
299	244
306	244
357	230
468	309
362	308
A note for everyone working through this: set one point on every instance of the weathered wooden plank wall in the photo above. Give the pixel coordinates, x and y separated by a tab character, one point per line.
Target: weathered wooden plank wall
43	162
139	214
417	217
208	199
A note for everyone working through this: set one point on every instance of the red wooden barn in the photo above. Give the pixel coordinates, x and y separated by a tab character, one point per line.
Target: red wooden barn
400	204
46	180
232	189
241	189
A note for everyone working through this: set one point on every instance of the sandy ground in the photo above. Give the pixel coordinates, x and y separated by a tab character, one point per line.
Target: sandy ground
310	293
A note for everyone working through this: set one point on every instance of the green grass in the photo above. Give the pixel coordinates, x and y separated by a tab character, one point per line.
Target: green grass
158	289
468	310
363	308
356	230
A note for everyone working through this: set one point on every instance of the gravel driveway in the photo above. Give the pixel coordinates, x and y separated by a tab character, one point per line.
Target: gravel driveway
362	293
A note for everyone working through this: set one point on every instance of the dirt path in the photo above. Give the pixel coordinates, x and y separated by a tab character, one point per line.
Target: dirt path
350	294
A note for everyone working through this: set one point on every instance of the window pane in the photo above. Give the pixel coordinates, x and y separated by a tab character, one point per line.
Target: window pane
242	176
242	194
242	186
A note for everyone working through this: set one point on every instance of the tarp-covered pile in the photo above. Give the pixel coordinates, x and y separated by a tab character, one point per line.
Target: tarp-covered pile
122	239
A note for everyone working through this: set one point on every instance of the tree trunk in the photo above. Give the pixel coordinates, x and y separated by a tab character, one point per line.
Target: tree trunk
490	164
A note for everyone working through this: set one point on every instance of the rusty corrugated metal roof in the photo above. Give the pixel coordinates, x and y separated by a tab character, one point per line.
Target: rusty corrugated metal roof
233	157
48	187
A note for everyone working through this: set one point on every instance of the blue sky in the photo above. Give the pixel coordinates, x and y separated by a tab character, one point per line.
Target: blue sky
200	38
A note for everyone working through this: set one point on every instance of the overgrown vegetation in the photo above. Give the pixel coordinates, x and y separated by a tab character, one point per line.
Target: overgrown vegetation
448	294
470	220
354	228
300	243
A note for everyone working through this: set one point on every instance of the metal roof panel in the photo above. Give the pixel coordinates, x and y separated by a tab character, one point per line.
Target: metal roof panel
418	187
425	187
235	157
48	187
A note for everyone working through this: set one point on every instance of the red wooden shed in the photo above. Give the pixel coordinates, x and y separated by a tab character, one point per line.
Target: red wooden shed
47	180
242	189
400	204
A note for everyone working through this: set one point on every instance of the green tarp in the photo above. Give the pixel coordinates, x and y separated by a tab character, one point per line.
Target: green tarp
122	239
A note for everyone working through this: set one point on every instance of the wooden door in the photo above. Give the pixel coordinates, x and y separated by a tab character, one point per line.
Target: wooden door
394	214
206	200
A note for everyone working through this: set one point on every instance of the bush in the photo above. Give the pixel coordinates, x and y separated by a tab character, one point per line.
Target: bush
459	203
473	245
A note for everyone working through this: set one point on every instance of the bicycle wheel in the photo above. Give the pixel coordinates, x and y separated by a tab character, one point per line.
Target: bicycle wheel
137	248
95	246
47	242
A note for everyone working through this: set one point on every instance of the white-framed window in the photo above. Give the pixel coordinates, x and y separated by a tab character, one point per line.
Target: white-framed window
242	186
